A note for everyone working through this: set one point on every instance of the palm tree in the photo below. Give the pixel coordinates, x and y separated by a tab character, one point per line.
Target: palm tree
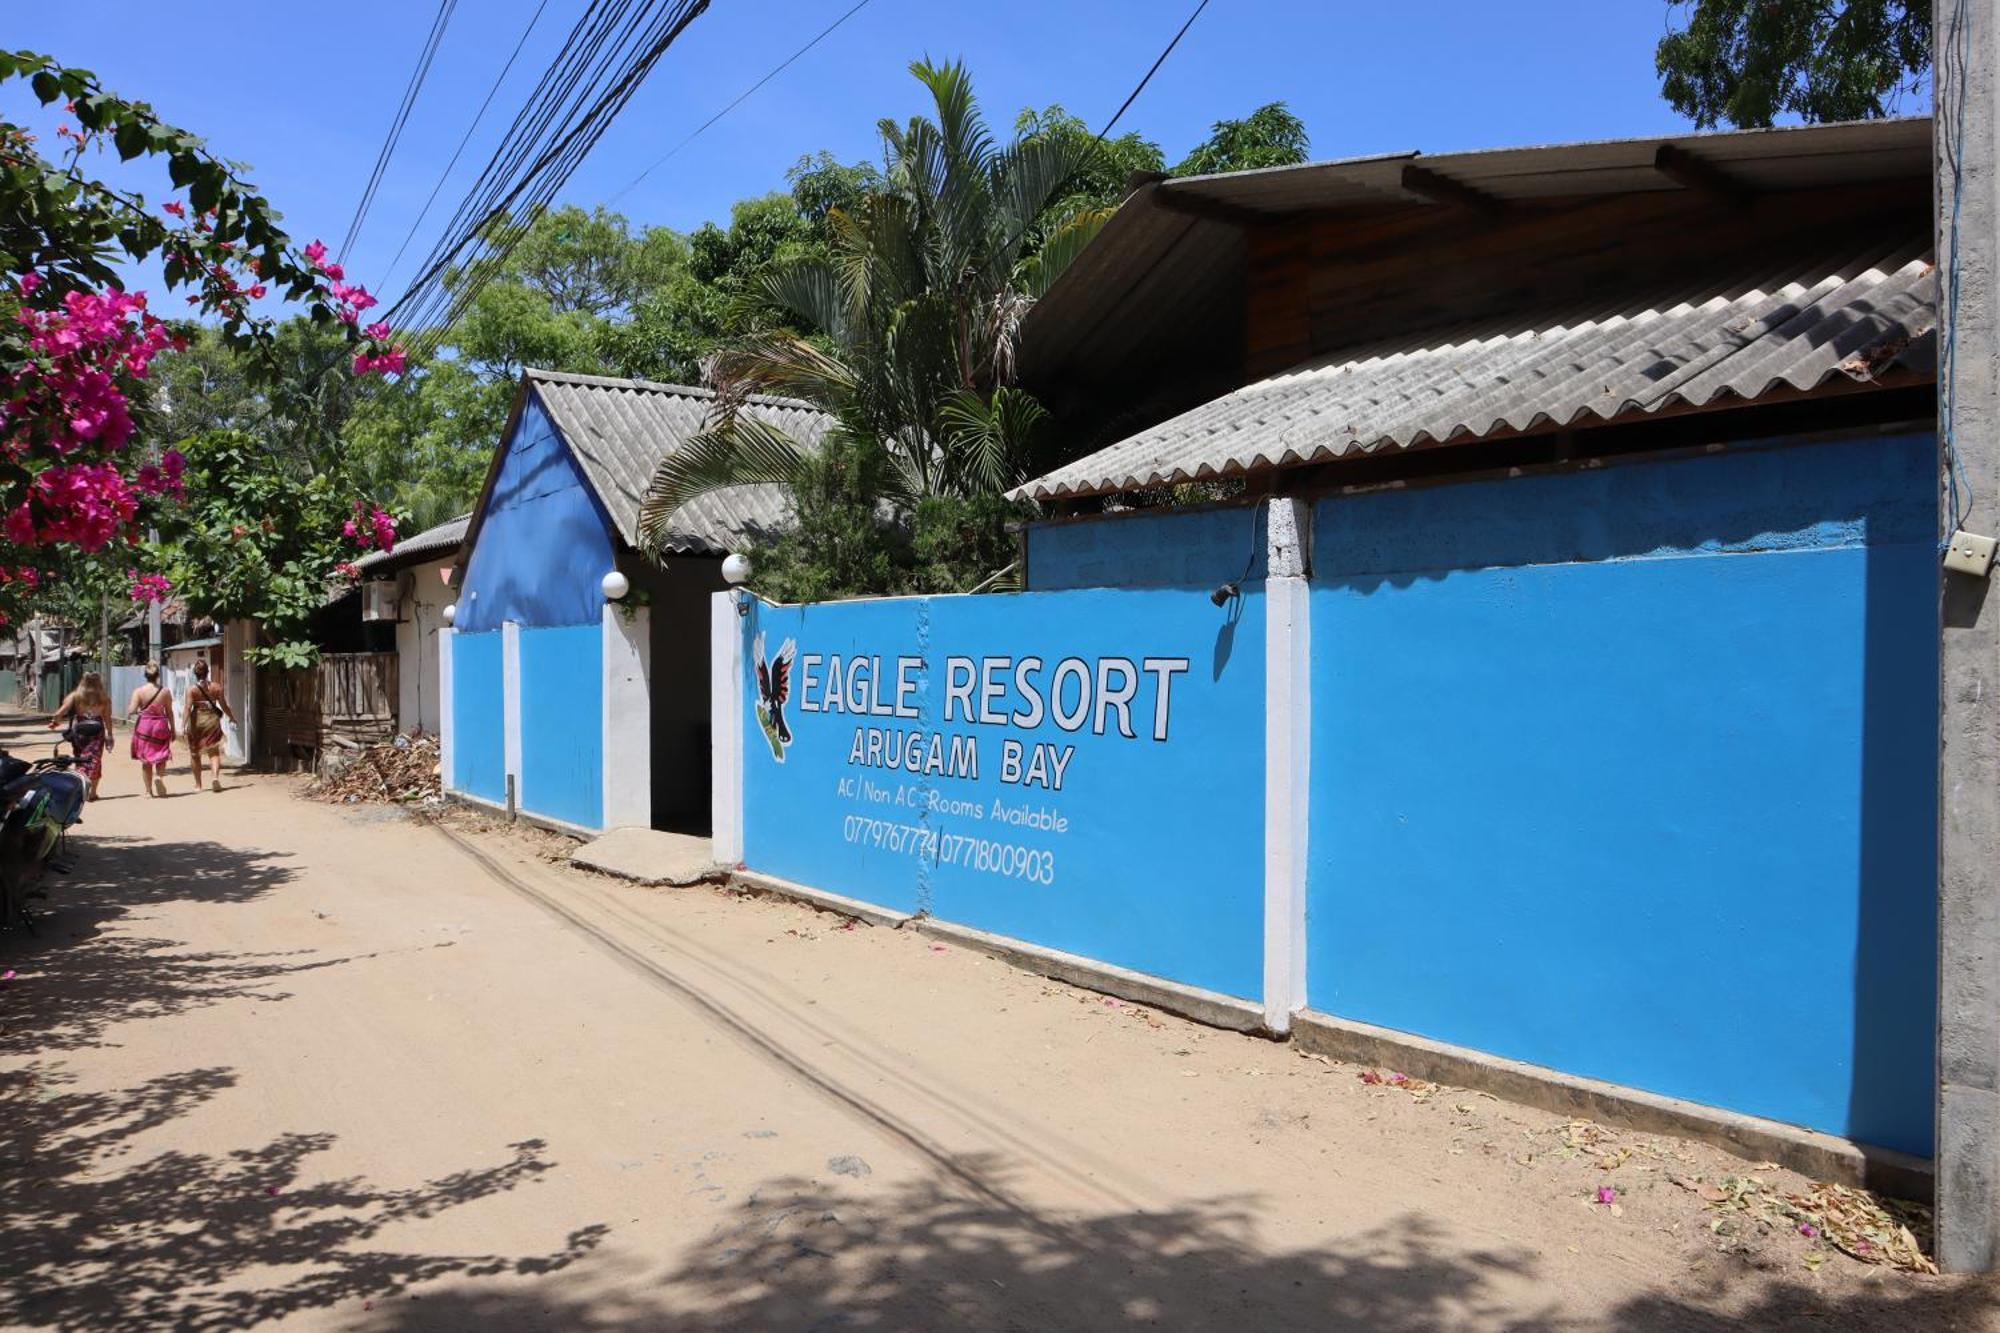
917	309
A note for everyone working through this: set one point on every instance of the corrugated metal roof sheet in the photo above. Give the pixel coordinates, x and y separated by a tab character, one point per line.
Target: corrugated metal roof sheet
620	429
431	543
1796	326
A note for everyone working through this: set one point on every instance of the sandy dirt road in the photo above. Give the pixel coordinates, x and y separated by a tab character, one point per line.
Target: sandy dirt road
275	1062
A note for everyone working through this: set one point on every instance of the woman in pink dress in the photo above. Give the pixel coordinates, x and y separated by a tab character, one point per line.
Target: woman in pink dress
153	733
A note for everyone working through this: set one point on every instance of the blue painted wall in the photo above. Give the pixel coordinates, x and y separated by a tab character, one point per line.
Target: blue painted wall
562	728
478	717
1194	549
544	542
1631	773
1159	866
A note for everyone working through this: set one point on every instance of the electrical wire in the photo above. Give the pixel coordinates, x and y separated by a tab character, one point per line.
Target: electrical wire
402	118
614	45
464	139
1126	105
741	98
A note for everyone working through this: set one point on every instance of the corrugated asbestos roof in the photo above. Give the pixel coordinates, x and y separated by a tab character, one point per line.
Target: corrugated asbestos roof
1172	255
1797	326
431	543
619	431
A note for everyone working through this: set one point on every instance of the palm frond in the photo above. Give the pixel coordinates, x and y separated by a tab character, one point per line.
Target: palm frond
989	440
1039	271
777	362
736	450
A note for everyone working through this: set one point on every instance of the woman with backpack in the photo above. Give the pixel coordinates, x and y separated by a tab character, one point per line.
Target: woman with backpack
153	734
87	711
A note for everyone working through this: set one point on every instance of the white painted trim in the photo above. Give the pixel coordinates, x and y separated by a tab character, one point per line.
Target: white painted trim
1287	757
725	708
627	752
510	705
448	775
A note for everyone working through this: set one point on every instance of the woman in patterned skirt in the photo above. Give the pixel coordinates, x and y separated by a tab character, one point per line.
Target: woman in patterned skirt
153	733
205	710
87	712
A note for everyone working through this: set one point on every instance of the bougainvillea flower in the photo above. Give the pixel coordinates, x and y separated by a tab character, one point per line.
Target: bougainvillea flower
174	207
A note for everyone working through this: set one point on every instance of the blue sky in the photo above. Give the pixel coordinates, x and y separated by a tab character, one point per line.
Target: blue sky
1435	75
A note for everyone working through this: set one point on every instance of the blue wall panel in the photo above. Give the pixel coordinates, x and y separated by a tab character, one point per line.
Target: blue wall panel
562	724
1199	548
1150	853
478	717
1630	773
544	543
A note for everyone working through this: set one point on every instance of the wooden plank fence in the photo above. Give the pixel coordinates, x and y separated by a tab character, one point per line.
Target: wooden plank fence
305	713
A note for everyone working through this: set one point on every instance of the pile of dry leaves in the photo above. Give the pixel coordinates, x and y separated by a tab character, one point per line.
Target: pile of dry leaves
1858	1224
402	771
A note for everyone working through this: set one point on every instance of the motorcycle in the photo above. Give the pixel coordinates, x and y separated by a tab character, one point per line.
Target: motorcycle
39	801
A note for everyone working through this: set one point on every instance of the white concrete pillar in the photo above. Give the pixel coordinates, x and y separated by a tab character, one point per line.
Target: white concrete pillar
510	706
1287	756
628	719
725	707
448	775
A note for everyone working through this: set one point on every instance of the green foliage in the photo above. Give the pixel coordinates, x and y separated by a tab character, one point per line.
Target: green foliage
421	445
1270	136
72	229
251	542
1747	62
909	320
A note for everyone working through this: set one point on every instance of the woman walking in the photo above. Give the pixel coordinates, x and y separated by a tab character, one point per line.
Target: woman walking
205	710
87	710
153	734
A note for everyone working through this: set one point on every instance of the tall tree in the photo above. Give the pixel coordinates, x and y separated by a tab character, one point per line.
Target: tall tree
1748	62
1270	136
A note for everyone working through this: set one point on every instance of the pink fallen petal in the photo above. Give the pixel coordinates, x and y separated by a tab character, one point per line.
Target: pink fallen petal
937	948
1808	1230
1606	1194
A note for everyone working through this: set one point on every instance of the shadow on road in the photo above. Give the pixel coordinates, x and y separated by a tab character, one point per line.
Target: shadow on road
90	1239
923	1256
79	980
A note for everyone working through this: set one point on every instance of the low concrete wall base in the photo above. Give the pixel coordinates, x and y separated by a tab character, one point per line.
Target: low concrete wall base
1821	1156
1203	1006
820	898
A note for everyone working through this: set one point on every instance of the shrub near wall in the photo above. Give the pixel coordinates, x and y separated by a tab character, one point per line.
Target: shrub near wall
1082	770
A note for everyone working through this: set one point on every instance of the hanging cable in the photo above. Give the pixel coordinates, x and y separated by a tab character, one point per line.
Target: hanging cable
402	118
741	98
464	139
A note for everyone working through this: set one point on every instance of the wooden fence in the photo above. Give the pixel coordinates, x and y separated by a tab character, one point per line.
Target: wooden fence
347	701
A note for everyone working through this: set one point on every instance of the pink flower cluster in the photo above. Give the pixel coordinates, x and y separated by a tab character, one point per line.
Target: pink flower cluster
350	302
166	477
70	395
371	528
86	505
149	588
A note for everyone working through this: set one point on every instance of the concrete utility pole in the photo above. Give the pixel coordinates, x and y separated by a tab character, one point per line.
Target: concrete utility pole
153	612
1967	85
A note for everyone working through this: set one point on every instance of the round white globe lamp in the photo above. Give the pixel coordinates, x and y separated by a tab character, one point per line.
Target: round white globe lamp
615	585
450	612
736	569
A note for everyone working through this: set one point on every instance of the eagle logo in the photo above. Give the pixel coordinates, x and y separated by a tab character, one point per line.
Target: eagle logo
774	686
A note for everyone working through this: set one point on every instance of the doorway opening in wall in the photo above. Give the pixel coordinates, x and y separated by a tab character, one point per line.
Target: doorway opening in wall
677	689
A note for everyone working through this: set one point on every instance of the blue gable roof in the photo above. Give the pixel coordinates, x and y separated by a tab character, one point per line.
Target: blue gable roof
544	542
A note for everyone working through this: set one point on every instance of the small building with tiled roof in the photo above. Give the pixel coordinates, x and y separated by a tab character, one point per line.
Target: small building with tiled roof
575	674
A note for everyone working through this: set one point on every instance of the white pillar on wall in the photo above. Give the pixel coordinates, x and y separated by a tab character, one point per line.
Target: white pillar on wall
628	719
725	705
1287	756
510	705
447	774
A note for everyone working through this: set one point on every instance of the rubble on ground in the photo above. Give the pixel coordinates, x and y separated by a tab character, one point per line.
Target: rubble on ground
403	771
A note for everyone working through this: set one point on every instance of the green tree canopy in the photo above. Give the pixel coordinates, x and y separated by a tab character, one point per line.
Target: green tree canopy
1270	136
1748	62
